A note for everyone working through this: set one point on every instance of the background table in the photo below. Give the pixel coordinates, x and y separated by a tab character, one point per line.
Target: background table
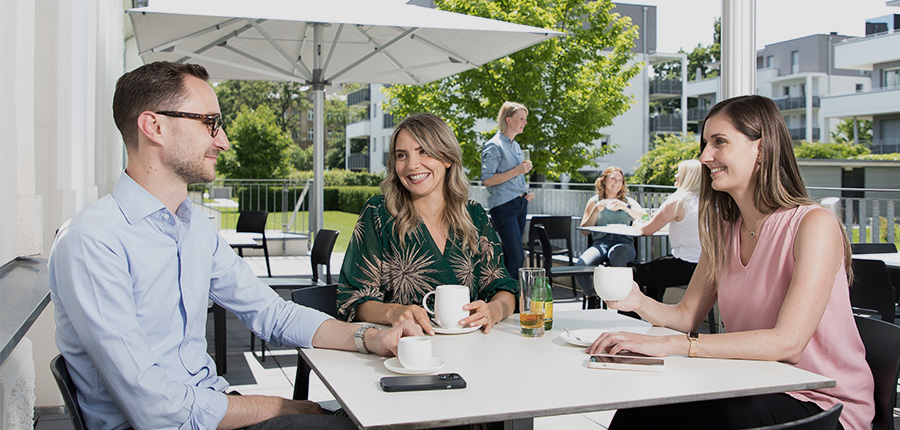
891	259
512	378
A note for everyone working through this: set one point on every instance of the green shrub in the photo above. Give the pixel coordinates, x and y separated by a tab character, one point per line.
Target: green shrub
657	166
807	150
353	199
339	177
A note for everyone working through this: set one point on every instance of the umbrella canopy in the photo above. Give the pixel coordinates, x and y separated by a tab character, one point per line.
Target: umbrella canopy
324	42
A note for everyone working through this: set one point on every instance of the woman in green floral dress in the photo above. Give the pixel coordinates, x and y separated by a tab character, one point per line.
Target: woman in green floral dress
423	232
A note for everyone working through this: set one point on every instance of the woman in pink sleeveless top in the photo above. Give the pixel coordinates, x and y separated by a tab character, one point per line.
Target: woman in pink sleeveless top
777	264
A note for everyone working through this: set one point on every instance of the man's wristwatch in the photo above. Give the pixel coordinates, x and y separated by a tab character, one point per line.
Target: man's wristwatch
360	339
694	337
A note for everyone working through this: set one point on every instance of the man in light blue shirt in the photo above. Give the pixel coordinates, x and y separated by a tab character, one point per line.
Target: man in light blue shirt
131	276
503	170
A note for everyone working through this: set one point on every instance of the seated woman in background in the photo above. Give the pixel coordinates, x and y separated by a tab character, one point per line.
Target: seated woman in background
679	212
423	232
778	265
611	205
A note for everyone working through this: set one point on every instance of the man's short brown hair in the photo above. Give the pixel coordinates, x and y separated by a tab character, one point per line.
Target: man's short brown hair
154	87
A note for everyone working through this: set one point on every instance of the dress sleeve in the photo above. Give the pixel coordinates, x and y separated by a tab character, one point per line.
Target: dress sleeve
361	277
490	271
91	282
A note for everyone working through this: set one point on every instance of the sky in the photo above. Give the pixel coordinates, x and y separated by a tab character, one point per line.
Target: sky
685	23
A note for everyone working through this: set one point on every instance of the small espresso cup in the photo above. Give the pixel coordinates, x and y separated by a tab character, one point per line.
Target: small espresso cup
414	352
448	305
613	283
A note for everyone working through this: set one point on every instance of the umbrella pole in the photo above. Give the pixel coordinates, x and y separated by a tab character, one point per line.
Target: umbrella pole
316	221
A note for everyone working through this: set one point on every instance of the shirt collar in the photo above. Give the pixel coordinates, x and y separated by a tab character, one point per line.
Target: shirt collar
136	202
504	138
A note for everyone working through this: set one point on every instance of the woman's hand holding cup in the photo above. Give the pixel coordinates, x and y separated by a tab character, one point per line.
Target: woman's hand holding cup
631	303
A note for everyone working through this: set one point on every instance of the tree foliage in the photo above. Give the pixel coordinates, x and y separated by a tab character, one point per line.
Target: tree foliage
285	99
658	166
572	85
259	148
829	150
843	132
702	58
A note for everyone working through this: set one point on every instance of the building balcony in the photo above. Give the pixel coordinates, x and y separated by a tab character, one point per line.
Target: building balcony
664	89
789	103
362	96
666	123
358	161
865	52
359	129
885	146
800	133
387	121
880	101
697	114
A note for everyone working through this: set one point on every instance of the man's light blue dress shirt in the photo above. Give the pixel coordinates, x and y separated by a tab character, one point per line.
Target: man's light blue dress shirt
131	284
502	154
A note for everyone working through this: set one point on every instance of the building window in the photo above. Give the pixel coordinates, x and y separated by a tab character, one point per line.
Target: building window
795	62
310	115
770	60
310	134
859	88
787	91
891	78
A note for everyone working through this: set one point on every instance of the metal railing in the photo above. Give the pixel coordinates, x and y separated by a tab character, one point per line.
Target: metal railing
286	200
800	133
885	146
795	102
665	86
665	122
359	96
358	161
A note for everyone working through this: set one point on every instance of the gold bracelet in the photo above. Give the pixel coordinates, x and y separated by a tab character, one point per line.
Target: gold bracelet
694	338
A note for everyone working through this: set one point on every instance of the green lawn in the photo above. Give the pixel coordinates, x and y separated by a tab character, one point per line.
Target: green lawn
334	220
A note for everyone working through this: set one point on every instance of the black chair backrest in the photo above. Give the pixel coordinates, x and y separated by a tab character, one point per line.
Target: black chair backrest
557	226
871	288
67	388
882	342
546	248
321	252
252	222
873	248
825	420
319	297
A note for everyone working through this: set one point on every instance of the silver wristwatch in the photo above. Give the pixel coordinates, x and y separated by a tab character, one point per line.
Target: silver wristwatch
360	340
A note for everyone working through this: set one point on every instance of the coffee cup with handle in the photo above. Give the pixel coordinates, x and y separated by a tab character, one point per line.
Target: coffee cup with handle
613	283
414	352
448	305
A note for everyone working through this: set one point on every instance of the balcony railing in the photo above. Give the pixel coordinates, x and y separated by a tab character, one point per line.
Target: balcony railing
885	146
665	86
359	97
666	123
358	161
795	102
800	133
697	113
387	121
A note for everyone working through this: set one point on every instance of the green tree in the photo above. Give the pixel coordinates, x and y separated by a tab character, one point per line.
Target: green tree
288	101
829	150
301	158
259	148
658	166
843	132
572	85
336	114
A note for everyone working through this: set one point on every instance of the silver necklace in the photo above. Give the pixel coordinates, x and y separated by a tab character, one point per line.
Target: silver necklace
752	233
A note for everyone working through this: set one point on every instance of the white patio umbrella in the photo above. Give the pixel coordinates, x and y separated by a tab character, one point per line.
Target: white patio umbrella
323	42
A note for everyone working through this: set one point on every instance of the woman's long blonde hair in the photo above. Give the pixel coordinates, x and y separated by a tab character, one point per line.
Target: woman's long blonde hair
691	171
439	142
778	182
600	184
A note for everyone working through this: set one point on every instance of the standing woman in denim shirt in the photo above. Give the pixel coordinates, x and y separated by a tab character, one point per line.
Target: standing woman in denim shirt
503	172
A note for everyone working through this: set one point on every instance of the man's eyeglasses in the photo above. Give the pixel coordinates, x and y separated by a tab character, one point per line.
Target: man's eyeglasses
213	121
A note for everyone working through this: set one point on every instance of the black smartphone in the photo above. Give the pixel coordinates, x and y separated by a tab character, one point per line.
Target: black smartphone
442	381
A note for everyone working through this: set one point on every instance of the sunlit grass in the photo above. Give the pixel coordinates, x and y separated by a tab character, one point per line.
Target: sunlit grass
334	220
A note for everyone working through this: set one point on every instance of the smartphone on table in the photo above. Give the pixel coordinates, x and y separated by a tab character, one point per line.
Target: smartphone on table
442	381
627	362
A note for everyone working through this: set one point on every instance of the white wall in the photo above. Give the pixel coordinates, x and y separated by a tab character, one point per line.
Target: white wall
629	131
60	145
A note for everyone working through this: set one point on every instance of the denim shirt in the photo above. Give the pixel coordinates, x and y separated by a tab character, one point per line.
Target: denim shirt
502	154
131	281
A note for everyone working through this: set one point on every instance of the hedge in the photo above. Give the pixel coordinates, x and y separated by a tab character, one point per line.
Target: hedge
344	199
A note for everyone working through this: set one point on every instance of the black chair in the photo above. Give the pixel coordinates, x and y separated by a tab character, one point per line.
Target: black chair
323	298
825	420
67	388
253	222
319	256
873	248
558	227
547	263
219	337
882	342
871	289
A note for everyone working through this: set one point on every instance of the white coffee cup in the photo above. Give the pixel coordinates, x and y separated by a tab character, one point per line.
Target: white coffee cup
414	352
448	305
613	283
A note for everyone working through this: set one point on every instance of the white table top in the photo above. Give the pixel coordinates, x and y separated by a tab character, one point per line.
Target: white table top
625	230
511	377
240	239
891	259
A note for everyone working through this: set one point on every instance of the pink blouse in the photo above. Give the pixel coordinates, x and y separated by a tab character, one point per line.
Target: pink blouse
750	298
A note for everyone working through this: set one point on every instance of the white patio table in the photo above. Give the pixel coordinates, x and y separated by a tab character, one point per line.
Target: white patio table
514	379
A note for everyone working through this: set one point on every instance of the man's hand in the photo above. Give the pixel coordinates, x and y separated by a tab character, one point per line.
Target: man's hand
416	313
384	342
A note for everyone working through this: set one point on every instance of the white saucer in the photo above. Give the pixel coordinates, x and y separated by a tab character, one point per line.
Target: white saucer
393	364
589	335
464	330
